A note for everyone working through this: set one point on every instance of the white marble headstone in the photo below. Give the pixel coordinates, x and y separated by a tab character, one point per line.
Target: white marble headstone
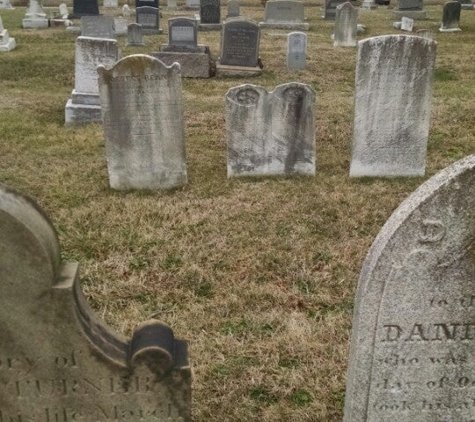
346	22
296	50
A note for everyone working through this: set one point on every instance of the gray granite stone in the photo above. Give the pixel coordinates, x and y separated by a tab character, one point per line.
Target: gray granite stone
61	362
149	3
120	26
142	110
296	51
270	133
451	17
84	105
240	43
84	8
172	5
35	17
98	27
394	77
285	14
182	31
134	35
210	12
407	24
149	18
346	21
413	9
233	8
192	4
193	64
6	42
330	9
412	356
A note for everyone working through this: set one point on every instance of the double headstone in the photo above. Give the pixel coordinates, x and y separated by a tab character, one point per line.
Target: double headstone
413	9
195	60
149	18
134	35
35	16
60	362
394	77
330	9
346	22
84	8
451	17
6	43
84	106
284	14
296	50
98	27
412	354
270	133
142	109
239	48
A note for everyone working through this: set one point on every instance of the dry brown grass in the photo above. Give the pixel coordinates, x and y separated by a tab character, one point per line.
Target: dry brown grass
258	274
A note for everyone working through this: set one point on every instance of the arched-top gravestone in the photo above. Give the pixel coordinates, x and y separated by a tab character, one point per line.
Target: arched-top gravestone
58	362
412	355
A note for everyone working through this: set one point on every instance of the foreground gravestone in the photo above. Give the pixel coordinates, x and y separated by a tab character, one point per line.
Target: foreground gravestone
451	17
5	4
142	110
183	48
284	14
35	16
394	75
84	8
296	50
270	133
65	364
346	22
413	9
134	35
98	27
6	43
239	49
412	357
149	18
210	15
330	9
84	105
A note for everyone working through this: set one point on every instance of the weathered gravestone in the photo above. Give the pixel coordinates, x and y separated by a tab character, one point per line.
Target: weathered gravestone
233	8
111	4
126	11
98	27
296	50
134	35
35	16
149	18
413	9
63	11
120	26
59	361
6	43
5	4
171	5
84	8
407	24
412	354
239	48
270	133
369	4
84	106
330	9
394	76
284	14
195	60
210	15
451	17
142	110
346	22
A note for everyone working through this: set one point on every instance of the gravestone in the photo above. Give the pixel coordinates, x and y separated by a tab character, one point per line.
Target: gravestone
142	109
451	17
35	16
296	50
346	21
407	24
148	17
330	9
233	8
84	8
126	11
6	43
111	4
413	9
171	5
149	3
98	27
270	133
369	4
63	11
411	355
84	106
134	35
120	25
239	48
210	15
195	60
5	4
394	75
64	363
284	14
192	4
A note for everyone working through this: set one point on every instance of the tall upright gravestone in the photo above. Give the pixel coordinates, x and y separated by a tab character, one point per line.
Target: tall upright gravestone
296	50
412	355
451	17
142	110
270	133
84	8
60	363
346	22
394	75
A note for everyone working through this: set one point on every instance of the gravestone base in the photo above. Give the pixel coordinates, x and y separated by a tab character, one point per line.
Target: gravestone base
149	31
54	23
225	70
74	29
83	108
35	23
294	26
205	27
449	29
8	46
417	15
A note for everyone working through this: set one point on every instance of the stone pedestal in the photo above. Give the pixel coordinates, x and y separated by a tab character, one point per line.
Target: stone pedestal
244	71
194	62
6	43
35	23
83	108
